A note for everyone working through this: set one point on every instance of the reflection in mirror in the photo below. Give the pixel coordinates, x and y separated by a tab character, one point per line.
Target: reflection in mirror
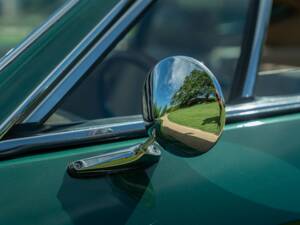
183	105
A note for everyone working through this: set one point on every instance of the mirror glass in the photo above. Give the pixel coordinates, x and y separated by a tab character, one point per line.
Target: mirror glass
183	106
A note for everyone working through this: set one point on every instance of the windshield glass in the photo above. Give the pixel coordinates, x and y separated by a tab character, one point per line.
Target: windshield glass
19	17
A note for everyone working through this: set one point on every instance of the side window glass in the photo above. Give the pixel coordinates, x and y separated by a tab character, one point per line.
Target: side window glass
19	17
210	31
279	73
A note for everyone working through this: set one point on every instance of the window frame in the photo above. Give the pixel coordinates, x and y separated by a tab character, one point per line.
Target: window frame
93	56
48	83
249	106
14	53
245	109
250	57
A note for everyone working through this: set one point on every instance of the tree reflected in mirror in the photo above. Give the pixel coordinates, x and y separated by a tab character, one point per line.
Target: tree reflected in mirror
196	99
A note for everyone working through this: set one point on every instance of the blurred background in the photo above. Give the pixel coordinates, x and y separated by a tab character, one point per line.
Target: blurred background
19	17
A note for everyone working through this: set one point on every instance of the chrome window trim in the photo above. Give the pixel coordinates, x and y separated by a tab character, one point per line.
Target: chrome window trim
86	135
45	107
53	78
135	128
263	17
263	107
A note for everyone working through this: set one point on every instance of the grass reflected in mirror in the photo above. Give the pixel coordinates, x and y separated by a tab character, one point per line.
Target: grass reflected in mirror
196	117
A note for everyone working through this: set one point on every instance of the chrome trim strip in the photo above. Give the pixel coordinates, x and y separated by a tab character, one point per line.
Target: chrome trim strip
47	84
34	35
277	71
135	128
263	107
48	104
264	12
87	135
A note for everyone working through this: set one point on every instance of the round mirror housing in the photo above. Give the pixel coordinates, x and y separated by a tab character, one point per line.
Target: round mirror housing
183	106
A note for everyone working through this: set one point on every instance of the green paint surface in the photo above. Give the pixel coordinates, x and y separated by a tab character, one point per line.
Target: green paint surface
252	176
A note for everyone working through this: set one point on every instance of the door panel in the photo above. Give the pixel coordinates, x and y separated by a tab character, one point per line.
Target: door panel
251	176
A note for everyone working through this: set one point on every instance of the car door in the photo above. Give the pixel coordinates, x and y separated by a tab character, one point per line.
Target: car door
80	106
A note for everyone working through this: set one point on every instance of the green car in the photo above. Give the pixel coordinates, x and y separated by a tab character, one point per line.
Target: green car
113	112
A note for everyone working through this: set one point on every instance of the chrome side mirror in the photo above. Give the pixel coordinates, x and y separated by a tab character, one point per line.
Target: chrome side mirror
184	111
183	106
